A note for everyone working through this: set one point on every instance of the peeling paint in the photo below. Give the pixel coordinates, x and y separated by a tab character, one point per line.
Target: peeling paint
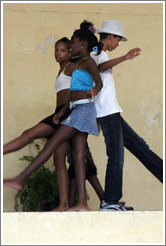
158	117
150	110
50	39
43	48
25	48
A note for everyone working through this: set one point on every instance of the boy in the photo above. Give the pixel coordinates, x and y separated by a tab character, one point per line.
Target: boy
117	133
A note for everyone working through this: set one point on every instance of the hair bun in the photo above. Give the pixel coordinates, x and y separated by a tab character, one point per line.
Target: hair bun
85	25
86	32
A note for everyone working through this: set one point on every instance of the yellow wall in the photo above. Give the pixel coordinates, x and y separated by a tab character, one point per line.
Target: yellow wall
30	30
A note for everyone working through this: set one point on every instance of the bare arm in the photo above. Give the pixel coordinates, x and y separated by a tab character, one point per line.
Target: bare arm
61	112
93	70
111	63
68	71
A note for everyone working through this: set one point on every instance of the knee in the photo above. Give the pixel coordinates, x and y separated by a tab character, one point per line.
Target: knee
77	158
116	162
116	157
50	146
55	160
59	160
27	134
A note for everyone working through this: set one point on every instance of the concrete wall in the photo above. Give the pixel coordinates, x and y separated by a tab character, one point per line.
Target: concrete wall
30	30
96	228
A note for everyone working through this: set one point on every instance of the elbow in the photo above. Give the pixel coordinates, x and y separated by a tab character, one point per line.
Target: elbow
101	68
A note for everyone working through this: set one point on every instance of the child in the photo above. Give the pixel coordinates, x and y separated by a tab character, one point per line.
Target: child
81	121
46	127
117	133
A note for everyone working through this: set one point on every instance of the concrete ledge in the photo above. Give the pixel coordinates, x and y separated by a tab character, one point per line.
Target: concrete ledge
130	227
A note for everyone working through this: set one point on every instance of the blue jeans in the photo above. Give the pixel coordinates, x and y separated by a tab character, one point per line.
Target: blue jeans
118	134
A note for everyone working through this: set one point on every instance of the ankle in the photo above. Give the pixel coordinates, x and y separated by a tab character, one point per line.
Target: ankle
83	204
64	205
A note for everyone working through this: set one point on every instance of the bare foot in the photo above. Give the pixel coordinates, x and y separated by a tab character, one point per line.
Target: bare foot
12	183
61	208
78	208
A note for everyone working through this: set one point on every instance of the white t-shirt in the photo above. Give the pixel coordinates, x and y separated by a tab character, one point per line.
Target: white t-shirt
106	102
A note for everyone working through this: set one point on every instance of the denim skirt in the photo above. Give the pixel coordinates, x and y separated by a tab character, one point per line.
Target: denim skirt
83	118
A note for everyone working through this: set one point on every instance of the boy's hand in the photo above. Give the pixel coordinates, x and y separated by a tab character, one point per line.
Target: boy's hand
133	53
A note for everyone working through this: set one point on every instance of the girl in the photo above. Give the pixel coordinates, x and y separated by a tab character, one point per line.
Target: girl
82	120
46	127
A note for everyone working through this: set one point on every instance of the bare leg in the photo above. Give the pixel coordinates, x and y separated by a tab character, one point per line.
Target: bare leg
72	192
79	142
59	137
60	164
38	131
94	181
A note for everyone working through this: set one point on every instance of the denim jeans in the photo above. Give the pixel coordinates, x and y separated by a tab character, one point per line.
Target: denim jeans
118	134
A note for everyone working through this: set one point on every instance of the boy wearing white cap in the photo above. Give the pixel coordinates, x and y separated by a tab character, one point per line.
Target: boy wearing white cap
117	133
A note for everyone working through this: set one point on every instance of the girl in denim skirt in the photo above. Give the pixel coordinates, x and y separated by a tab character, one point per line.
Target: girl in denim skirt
85	82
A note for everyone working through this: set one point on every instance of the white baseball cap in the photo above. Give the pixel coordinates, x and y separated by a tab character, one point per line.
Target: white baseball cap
112	27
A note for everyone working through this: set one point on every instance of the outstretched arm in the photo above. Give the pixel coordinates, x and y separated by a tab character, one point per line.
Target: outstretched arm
111	63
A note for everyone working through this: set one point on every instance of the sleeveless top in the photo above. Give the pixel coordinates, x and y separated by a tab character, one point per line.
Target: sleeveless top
81	80
62	82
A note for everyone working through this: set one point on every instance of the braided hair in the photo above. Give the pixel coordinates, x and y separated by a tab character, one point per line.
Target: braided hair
86	32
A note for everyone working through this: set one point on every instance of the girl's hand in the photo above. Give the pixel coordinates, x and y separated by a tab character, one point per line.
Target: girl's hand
57	117
94	91
133	53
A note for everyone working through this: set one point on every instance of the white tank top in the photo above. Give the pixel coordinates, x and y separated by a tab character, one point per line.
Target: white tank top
62	82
